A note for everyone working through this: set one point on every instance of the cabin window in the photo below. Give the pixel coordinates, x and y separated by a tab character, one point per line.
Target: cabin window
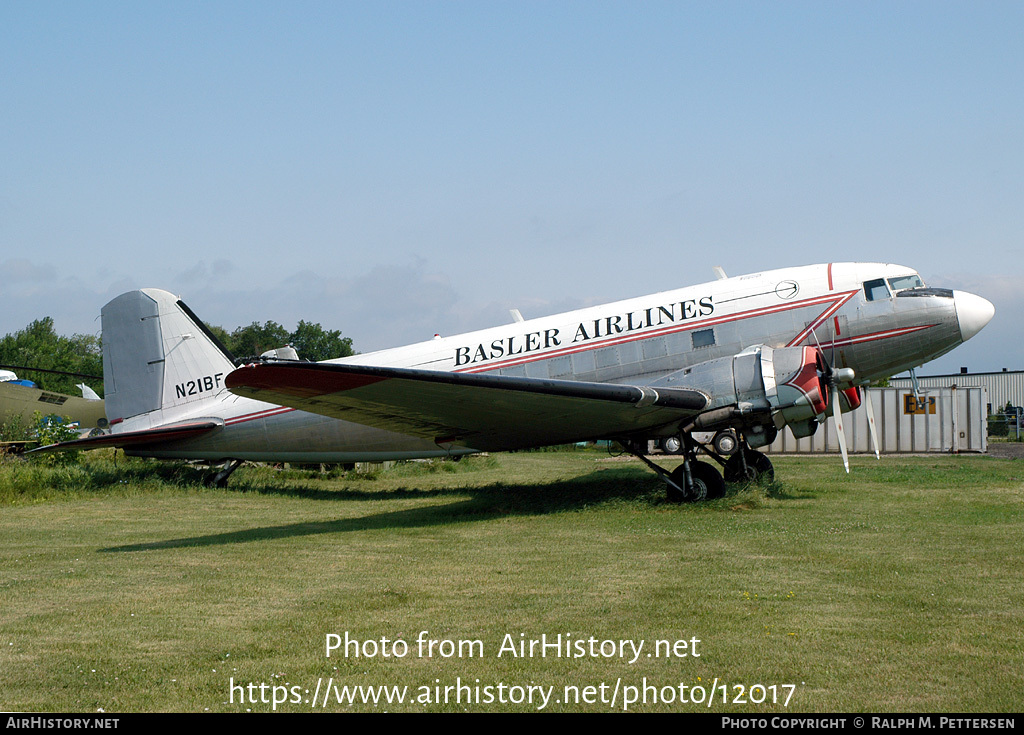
876	290
902	283
703	338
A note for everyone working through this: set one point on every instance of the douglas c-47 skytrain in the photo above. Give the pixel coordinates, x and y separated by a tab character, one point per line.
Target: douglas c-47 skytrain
738	358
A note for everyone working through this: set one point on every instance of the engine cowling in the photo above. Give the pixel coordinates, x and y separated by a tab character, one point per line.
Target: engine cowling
757	387
850	399
794	381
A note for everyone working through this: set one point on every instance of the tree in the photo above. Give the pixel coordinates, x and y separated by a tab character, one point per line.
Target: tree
257	338
39	346
311	341
220	333
314	343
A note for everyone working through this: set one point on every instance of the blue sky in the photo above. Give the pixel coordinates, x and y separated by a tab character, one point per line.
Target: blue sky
398	169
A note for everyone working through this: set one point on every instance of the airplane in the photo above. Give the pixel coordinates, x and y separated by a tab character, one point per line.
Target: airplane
740	357
22	399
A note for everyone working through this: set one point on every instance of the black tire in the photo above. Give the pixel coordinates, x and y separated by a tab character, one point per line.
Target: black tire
726	442
707	483
759	467
714	483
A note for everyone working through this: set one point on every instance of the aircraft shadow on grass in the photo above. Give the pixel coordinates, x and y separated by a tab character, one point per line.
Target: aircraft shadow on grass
482	504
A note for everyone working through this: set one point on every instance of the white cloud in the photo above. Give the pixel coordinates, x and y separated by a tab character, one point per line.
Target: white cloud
21	270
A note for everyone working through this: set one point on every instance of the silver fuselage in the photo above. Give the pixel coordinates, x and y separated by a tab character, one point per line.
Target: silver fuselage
649	340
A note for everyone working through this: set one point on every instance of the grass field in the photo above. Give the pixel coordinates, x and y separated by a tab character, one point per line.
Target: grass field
129	587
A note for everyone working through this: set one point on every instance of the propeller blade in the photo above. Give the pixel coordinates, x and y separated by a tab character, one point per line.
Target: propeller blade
871	421
837	416
830	376
832	350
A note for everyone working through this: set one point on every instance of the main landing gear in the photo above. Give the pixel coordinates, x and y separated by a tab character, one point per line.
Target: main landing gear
748	465
694	480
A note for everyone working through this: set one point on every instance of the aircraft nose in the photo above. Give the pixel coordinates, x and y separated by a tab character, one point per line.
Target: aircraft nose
972	312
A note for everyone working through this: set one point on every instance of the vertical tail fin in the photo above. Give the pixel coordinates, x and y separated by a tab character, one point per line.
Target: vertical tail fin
158	355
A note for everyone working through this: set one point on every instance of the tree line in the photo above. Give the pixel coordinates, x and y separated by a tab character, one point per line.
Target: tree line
311	341
38	348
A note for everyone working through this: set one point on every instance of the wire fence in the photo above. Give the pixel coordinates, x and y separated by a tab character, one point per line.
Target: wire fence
1009	423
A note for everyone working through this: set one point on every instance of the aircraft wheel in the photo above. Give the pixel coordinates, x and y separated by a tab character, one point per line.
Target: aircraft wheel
707	483
758	466
709	477
215	479
725	442
672	445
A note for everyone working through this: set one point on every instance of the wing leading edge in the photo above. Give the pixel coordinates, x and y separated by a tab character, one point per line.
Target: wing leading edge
479	411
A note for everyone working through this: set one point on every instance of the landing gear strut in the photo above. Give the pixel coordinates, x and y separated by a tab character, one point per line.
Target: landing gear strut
693	481
220	478
690	482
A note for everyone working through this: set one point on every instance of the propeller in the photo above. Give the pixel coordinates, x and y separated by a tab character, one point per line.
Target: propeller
871	421
855	396
837	414
832	377
867	407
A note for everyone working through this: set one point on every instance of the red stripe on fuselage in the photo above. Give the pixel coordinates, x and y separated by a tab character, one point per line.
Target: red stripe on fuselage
258	415
843	298
835	301
887	334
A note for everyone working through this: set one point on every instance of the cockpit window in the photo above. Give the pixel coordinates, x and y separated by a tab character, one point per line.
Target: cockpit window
876	290
904	282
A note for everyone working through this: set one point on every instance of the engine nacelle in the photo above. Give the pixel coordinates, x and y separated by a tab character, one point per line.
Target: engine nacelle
850	399
759	386
794	383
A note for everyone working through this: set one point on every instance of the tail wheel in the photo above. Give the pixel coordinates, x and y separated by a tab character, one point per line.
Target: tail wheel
220	478
749	466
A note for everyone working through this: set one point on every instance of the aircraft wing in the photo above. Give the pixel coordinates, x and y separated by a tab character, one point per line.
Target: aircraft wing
482	412
145	437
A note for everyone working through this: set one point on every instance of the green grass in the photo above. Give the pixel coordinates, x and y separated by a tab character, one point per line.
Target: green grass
130	587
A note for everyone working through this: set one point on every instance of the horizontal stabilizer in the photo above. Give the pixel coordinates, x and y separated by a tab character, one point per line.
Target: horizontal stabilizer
158	435
479	411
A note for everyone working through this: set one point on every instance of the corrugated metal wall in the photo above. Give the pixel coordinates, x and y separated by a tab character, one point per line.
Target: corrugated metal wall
1002	387
954	422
